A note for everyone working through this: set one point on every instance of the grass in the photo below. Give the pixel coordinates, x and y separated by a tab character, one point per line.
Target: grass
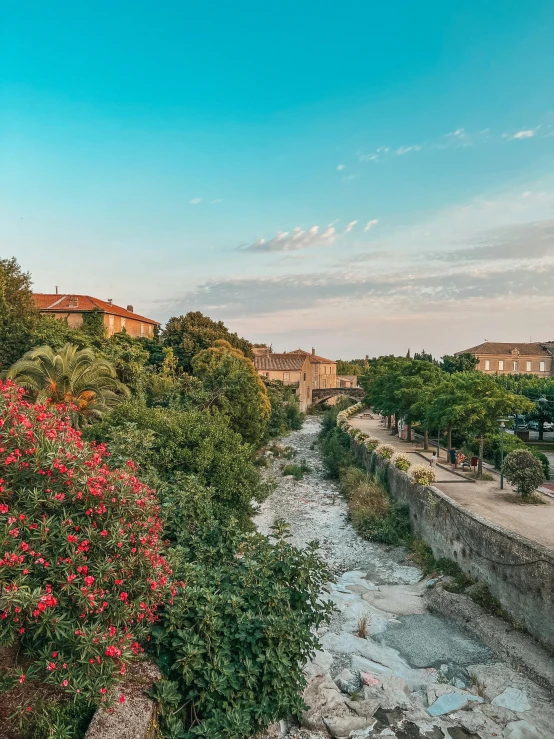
285	452
296	470
362	628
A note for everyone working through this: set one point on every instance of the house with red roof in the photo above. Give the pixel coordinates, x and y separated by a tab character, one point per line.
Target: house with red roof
72	308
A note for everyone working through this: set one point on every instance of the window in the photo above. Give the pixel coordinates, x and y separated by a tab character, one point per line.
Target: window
110	321
286	376
501	364
514	366
150	330
542	367
304	377
324	383
142	329
324	369
487	364
528	366
123	322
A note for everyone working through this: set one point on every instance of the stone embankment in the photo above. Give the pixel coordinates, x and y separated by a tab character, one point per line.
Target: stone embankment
387	666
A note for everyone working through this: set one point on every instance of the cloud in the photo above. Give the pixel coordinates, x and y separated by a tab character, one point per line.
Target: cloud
349	177
340	167
350	226
195	201
369	225
525	134
217	200
406	149
297	239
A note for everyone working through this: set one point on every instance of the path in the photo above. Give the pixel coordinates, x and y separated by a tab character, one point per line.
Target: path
411	661
485	498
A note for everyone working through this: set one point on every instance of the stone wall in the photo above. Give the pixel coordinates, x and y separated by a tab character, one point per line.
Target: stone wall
517	571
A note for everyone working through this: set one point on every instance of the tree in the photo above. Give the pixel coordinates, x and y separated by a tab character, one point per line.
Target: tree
465	362
424	356
18	316
234	388
76	377
285	414
350	367
188	335
128	356
524	471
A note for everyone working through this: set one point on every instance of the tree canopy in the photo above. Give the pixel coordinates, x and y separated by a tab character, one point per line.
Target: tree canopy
18	316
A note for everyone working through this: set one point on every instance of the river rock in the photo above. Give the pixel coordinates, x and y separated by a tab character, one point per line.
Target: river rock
522	730
402	600
450	702
319	664
498	714
323	698
475	722
514	699
347	682
365	708
415	679
343	726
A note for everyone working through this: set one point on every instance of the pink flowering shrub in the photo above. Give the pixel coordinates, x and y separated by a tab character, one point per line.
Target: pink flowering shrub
81	574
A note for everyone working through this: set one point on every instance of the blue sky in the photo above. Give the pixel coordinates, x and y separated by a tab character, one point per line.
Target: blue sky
358	176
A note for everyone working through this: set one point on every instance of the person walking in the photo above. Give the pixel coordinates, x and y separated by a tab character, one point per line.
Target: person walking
452	455
433	460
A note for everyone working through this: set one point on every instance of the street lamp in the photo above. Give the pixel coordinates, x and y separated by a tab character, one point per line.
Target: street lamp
502	430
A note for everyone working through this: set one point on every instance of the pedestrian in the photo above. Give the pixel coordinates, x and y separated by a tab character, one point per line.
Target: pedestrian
452	454
433	460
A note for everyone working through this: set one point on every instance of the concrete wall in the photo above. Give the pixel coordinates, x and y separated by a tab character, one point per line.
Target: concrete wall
518	572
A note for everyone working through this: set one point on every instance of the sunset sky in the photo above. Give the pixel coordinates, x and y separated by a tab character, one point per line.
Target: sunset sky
357	176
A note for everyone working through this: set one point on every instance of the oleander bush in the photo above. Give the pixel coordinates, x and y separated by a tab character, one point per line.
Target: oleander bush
385	450
81	571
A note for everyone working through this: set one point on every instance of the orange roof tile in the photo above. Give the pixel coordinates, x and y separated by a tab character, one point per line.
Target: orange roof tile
497	347
313	357
277	362
53	303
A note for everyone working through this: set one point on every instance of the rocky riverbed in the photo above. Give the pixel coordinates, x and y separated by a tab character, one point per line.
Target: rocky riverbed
388	667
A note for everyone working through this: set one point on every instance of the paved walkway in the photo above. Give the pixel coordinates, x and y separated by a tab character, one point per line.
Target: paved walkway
502	507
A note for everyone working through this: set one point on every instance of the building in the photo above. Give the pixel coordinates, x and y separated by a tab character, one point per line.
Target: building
533	358
304	370
347	381
324	371
72	308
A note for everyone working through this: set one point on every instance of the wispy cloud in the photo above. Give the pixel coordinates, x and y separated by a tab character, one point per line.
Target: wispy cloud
340	167
407	149
369	225
350	226
526	133
295	240
195	201
217	200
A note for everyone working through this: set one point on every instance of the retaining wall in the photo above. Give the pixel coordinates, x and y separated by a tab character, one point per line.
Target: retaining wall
517	571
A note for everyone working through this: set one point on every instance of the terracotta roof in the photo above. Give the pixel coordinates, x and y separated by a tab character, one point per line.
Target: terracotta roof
313	357
277	362
494	347
54	303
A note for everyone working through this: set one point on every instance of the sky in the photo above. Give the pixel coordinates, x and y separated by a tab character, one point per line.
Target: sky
355	176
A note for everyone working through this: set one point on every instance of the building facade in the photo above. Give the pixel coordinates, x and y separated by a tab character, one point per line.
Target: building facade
304	370
531	358
72	308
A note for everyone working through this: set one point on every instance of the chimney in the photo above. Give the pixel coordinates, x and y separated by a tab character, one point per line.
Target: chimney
110	300
313	351
130	309
56	289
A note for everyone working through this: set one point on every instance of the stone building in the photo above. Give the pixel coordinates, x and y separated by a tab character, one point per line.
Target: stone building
72	308
347	381
304	370
533	358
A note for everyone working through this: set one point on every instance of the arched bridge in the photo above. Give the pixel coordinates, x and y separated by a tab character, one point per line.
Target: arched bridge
324	393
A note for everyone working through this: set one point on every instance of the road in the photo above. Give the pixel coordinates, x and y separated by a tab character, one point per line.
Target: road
502	507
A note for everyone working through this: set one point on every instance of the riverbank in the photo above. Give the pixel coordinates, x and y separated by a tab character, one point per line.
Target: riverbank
383	646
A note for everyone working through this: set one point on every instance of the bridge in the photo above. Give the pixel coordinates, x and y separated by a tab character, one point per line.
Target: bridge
324	393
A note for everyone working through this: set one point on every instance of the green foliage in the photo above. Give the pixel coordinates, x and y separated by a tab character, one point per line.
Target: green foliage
492	449
233	643
54	718
76	377
296	470
523	471
233	386
351	367
285	414
18	316
129	358
335	451
192	443
466	362
188	335
54	332
93	325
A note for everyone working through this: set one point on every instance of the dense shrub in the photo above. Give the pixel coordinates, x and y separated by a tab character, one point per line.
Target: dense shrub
423	474
81	574
385	450
493	453
232	645
335	450
285	413
523	471
401	461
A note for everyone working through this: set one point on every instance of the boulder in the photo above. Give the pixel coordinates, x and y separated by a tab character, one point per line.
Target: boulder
347	682
365	708
343	726
319	664
450	702
513	699
475	722
499	715
323	698
522	730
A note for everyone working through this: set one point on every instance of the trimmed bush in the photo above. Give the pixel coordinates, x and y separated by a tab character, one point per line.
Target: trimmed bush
385	450
401	461
81	573
524	471
423	474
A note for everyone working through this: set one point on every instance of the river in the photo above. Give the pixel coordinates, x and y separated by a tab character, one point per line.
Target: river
413	663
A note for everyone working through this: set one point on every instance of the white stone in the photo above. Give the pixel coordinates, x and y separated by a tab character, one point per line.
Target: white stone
514	699
347	682
522	730
343	726
319	664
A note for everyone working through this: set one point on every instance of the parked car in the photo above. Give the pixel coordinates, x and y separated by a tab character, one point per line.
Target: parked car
534	425
548	426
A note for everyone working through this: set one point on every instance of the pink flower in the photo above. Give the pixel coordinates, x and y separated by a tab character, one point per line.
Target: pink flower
123	596
122	699
64	683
